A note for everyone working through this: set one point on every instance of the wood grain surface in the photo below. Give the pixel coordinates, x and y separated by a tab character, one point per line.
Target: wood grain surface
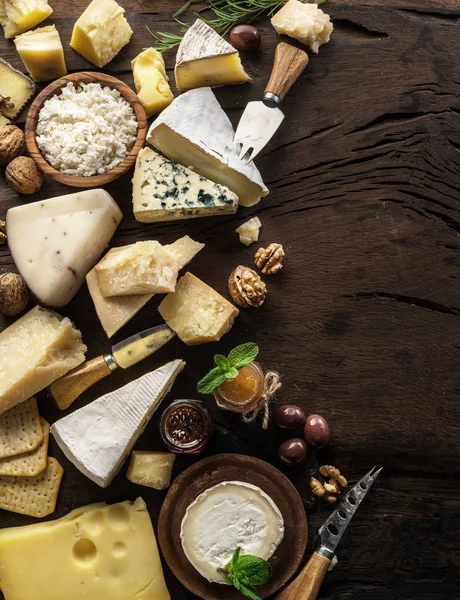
364	320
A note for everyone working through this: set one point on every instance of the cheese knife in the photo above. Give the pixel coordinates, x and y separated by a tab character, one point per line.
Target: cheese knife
124	355
307	584
261	119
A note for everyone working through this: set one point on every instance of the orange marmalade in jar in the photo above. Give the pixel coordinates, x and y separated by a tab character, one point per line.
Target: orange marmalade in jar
243	392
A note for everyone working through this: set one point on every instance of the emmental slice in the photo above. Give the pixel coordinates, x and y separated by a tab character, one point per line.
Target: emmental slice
151	81
17	16
152	469
205	59
16	86
42	53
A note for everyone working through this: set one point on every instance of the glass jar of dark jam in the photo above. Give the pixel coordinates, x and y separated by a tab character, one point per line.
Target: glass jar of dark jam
186	426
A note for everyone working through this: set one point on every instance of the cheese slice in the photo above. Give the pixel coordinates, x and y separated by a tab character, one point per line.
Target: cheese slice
98	437
101	32
55	242
195	132
37	349
17	16
152	469
304	22
163	190
96	552
230	515
42	53
16	86
205	59
114	312
151	81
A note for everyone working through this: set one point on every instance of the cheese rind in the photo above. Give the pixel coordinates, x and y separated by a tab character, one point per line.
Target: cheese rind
15	85
96	552
152	469
195	132
249	231
98	437
56	242
17	16
304	22
42	53
38	348
151	81
163	190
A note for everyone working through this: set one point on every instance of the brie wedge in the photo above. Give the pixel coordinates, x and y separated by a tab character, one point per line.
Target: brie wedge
230	515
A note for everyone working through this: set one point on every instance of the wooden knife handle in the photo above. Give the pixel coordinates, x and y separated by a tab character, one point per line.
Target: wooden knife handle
306	585
67	389
290	62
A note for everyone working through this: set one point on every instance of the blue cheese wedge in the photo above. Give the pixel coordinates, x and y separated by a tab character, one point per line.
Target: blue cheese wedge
163	190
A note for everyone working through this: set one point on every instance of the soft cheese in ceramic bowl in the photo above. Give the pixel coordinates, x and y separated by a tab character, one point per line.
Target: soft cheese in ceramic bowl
230	515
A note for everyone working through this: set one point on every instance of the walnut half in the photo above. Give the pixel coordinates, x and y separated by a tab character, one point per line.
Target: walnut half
246	288
270	259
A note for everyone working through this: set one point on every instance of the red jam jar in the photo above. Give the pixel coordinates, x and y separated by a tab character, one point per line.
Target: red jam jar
186	426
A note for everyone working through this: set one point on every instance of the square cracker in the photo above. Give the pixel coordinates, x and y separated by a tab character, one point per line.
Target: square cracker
33	496
30	463
20	429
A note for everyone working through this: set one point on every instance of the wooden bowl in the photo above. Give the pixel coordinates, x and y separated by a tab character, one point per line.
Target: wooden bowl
55	88
232	467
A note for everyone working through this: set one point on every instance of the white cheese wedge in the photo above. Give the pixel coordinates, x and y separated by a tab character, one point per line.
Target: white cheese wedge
304	22
195	132
98	437
230	515
205	59
55	242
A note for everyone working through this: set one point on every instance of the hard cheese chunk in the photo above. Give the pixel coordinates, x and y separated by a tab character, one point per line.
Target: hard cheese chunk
38	348
116	311
249	231
17	16
151	81
96	552
15	86
163	190
98	437
56	242
195	132
304	22
101	32
42	53
205	59
196	312
152	469
144	267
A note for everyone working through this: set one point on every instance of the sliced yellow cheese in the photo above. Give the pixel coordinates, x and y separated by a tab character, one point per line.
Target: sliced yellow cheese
152	469
96	552
17	16
101	32
151	81
42	53
16	86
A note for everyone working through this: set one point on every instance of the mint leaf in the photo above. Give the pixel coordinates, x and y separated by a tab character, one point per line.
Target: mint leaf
227	367
243	355
211	381
249	591
235	558
231	373
245	572
222	362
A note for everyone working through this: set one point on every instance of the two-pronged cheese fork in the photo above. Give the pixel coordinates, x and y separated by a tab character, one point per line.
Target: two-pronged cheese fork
306	585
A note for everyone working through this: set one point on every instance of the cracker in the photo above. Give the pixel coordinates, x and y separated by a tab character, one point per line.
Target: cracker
20	429
33	496
30	463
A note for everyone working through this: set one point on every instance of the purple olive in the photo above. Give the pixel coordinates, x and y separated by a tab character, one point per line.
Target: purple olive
292	452
289	416
246	38
316	431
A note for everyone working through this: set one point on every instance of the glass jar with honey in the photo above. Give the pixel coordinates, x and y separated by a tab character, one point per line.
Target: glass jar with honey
242	393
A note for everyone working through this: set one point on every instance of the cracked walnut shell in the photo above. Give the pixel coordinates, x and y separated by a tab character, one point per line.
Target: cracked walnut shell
14	294
11	144
246	288
24	176
270	259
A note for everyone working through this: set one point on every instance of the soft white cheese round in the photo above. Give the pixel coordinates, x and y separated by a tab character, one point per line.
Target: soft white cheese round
230	515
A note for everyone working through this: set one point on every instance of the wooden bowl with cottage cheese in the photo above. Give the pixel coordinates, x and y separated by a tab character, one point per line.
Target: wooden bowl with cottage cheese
85	135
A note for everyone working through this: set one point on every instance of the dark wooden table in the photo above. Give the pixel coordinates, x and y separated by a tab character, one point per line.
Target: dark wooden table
364	321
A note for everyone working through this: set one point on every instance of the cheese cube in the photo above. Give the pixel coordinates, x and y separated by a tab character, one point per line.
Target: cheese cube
152	469
249	231
42	53
15	86
37	349
196	312
306	23
144	267
96	552
101	32
17	16
151	81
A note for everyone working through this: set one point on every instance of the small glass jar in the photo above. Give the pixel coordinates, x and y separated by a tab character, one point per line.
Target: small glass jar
186	426
241	394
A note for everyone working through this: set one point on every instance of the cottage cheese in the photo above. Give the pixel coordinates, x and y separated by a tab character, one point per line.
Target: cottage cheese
86	130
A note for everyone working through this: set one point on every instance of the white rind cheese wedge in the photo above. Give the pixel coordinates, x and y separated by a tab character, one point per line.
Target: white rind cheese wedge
98	437
55	242
163	190
205	59
230	515
195	132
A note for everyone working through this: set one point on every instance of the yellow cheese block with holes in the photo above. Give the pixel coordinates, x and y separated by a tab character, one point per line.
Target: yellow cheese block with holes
97	552
42	53
151	81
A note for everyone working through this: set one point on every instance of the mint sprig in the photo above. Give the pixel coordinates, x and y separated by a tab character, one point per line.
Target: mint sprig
245	572
227	367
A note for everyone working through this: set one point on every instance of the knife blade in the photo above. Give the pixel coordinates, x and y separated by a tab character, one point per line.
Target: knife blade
125	354
261	119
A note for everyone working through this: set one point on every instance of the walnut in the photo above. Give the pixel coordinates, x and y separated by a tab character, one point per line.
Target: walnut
334	474
24	176
2	232
6	103
330	499
332	487
317	487
11	143
270	259
246	288
14	294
